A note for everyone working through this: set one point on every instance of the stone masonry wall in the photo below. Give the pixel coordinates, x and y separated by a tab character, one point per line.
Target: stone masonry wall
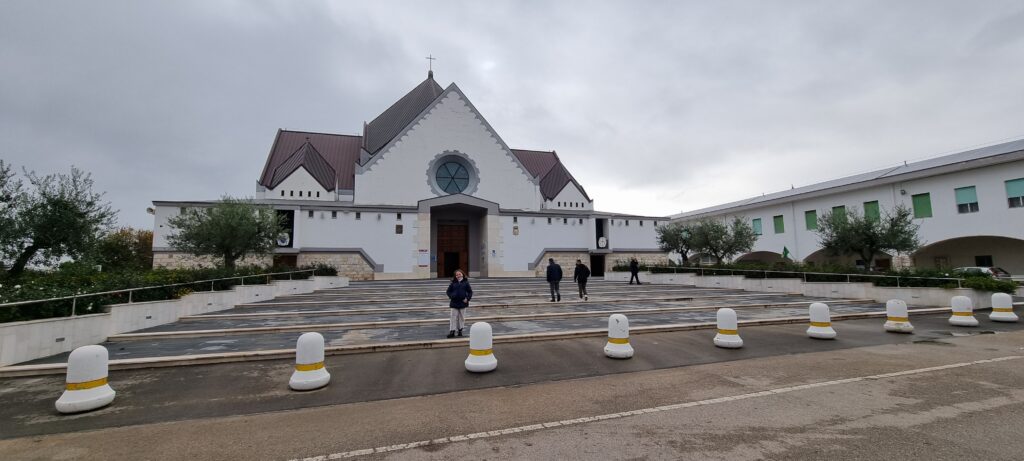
168	260
643	258
566	260
351	265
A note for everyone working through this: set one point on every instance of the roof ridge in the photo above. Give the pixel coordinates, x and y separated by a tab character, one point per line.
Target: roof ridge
318	132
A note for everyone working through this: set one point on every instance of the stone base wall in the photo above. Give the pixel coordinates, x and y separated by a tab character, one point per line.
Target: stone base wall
567	260
169	260
351	265
652	259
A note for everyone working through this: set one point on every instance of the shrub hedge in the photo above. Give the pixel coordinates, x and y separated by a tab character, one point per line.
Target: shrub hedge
71	280
907	277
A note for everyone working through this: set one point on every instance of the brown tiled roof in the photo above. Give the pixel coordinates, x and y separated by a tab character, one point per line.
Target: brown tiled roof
307	157
379	132
340	152
548	167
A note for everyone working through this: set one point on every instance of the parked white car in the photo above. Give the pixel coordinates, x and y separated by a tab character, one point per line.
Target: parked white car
995	272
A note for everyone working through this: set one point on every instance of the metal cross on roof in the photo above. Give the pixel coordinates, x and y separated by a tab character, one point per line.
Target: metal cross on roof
430	59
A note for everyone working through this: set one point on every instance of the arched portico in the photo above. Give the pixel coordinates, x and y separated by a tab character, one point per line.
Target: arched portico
823	258
763	257
983	250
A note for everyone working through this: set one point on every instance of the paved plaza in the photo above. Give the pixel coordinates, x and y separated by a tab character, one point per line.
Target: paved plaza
868	393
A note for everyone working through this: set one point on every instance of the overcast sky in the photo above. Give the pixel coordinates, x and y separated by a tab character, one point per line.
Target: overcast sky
655	107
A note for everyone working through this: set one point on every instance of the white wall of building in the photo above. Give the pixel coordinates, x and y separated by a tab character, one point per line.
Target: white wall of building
400	175
299	185
994	218
375	235
570	198
535	235
631	236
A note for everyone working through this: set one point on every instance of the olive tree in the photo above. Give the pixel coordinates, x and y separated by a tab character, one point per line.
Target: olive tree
850	232
723	240
229	230
676	237
59	217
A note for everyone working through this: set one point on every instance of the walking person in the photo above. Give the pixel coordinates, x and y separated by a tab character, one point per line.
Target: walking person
634	271
580	276
554	276
459	294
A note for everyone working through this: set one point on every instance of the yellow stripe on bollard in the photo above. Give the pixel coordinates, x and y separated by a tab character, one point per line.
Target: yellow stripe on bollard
1002	309
728	332
898	319
309	366
618	340
87	384
480	351
964	314
821	324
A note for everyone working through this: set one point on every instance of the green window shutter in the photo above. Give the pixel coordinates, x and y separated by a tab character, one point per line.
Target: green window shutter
756	224
780	225
841	209
1015	188
871	211
811	219
922	205
965	195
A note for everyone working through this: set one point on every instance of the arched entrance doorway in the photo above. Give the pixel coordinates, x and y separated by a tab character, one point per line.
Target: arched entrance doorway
459	236
986	251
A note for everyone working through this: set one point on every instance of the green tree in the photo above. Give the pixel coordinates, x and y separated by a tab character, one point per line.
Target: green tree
11	197
721	240
125	249
676	237
60	217
230	230
852	233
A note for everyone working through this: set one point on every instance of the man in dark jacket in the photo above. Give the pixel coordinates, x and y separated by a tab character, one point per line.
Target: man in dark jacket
634	271
554	276
580	275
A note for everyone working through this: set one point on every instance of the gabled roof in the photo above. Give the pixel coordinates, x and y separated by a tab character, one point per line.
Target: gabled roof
547	167
379	132
339	152
963	160
308	158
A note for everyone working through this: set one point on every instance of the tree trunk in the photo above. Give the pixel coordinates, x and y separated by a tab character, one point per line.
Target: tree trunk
22	261
229	261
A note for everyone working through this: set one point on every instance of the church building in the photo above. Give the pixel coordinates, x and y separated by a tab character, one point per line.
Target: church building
426	188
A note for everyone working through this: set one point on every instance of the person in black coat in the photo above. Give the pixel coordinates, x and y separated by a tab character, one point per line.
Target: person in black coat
634	271
580	276
554	276
459	294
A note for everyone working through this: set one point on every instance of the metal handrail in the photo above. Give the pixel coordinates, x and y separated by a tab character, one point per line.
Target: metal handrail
131	291
959	284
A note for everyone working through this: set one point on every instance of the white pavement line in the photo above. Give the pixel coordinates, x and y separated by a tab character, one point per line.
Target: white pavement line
624	414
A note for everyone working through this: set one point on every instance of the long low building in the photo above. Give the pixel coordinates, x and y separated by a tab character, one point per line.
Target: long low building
969	205
428	187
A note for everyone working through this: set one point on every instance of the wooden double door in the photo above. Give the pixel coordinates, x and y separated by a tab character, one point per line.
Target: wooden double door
452	249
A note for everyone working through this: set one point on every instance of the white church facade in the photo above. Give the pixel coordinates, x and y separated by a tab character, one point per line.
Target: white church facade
429	187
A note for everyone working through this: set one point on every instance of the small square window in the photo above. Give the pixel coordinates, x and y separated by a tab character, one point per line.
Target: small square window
641	224
291	193
515	219
334	215
398	228
317	194
359	215
398	216
627	222
581	220
300	193
549	220
967	208
282	193
310	211
309	193
1015	202
565	220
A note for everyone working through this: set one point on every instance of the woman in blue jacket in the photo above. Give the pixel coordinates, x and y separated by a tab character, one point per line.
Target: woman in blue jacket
459	292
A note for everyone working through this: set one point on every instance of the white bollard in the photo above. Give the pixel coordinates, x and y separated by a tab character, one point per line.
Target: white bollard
897	319
728	330
618	346
821	322
481	358
1002	308
86	384
309	371
963	312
